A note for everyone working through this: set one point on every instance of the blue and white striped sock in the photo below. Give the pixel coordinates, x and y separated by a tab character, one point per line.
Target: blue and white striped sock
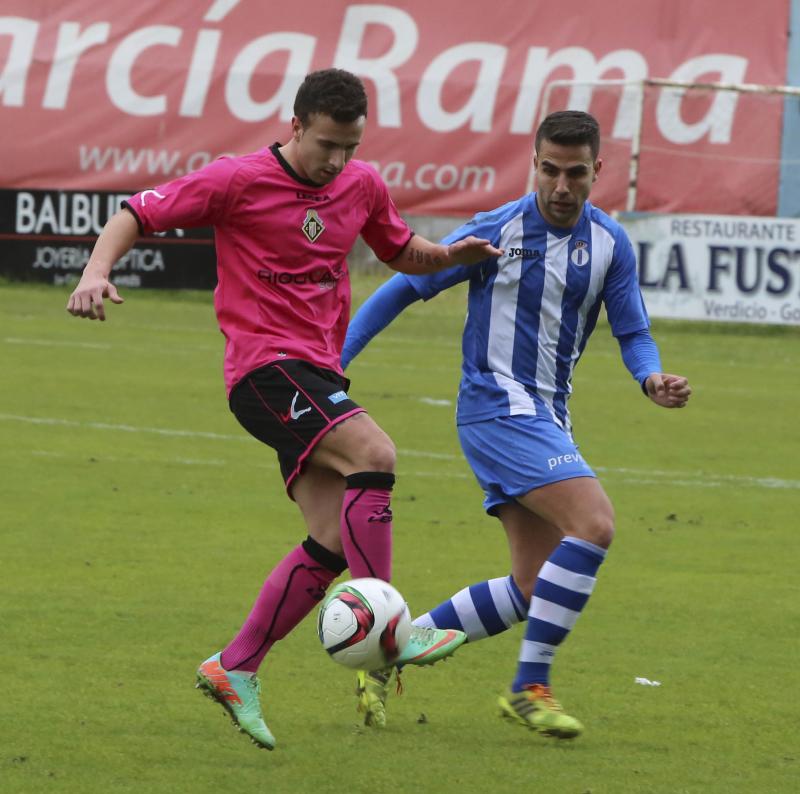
562	589
480	610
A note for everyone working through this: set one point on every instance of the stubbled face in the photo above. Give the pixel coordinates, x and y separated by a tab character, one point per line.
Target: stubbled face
564	177
322	147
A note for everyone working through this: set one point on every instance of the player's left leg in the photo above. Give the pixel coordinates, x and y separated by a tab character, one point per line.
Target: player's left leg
580	507
517	459
567	578
298	583
364	456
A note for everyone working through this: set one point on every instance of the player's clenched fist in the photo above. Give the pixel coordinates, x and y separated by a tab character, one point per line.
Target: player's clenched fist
668	391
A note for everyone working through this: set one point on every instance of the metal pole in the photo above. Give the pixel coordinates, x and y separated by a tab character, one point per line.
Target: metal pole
636	148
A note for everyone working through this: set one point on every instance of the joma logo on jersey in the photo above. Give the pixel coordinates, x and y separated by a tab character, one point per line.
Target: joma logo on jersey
313	226
524	252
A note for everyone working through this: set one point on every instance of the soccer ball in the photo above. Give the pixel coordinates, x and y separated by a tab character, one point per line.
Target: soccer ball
364	624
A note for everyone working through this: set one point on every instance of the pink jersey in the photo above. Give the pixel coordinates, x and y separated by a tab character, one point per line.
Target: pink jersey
283	289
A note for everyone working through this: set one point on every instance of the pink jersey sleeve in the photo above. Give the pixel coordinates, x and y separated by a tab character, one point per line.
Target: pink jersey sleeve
385	231
197	199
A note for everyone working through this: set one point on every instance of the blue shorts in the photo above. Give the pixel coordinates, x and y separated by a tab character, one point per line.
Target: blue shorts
511	455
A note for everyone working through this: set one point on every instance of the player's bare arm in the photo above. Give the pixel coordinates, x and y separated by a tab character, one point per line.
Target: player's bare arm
422	256
116	239
668	391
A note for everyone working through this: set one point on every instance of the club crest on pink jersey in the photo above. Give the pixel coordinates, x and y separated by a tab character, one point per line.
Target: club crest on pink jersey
313	226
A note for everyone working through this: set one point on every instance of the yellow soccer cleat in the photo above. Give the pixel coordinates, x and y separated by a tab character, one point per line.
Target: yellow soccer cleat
537	709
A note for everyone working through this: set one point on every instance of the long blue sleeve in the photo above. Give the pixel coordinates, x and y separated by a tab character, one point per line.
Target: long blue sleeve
376	313
640	354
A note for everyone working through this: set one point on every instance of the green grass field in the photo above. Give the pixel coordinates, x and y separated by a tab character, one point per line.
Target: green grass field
138	522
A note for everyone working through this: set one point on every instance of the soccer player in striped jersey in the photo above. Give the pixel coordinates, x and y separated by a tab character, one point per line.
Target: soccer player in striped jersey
530	313
284	219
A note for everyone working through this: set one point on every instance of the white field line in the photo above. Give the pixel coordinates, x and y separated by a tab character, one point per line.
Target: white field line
694	479
102	458
164	431
14	340
215	462
161	431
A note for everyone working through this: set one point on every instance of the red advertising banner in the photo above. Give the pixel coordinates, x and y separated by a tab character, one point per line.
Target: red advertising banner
117	96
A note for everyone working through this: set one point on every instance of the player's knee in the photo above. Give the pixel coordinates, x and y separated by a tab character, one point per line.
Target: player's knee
378	454
599	529
596	526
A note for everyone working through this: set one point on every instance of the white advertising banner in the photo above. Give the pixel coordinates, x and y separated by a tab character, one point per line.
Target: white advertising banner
718	267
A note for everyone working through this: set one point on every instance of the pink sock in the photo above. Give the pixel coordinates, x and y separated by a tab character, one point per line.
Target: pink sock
367	524
291	591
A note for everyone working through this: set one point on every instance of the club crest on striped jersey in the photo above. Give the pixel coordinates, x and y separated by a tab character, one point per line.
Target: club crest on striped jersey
580	253
313	226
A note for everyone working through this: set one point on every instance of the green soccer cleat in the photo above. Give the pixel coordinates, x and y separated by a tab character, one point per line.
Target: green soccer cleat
537	709
238	694
428	646
372	689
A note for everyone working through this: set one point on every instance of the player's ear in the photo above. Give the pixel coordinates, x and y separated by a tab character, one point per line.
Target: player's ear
598	164
297	128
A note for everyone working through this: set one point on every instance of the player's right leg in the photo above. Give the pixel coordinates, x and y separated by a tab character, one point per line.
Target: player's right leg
364	456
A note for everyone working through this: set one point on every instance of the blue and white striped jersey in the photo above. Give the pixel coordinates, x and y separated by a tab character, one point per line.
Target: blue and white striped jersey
530	312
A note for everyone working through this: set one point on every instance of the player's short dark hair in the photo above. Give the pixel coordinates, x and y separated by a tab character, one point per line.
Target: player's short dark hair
334	92
570	128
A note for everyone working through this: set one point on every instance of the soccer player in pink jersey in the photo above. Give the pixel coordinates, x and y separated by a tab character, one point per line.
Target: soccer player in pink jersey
284	219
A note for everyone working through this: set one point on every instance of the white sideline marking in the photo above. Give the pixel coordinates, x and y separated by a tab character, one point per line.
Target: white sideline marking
434	401
714	480
101	458
421	453
693	479
45	453
12	340
162	431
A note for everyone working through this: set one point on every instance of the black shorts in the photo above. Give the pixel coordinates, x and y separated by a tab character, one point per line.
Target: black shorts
290	405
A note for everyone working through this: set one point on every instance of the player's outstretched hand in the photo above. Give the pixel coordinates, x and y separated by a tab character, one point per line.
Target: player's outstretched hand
87	298
668	391
471	250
